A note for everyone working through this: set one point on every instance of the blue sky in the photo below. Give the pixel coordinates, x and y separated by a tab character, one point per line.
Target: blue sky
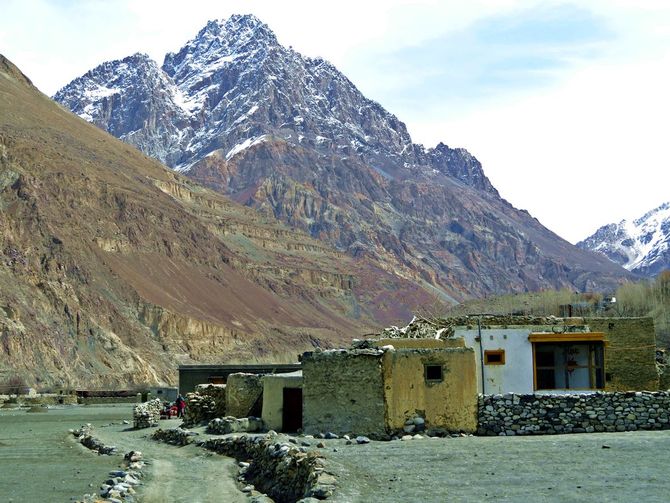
503	53
564	103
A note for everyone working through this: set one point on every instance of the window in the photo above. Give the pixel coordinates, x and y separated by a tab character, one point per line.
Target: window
571	365
433	373
494	357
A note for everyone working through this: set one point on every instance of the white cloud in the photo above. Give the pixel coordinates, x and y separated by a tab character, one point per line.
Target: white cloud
584	153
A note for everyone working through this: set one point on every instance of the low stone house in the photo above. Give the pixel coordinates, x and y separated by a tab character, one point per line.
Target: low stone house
378	391
192	375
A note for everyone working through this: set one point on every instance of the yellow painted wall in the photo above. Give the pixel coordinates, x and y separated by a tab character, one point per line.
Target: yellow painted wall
450	404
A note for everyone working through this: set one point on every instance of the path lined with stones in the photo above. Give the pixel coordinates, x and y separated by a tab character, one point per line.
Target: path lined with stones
186	474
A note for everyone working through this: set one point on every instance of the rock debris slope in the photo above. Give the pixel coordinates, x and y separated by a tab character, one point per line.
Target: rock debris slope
114	269
641	245
290	135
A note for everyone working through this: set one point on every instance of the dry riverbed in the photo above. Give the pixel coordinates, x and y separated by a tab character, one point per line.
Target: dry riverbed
39	460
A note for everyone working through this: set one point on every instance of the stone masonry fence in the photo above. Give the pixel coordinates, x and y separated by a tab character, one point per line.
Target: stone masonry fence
513	414
284	472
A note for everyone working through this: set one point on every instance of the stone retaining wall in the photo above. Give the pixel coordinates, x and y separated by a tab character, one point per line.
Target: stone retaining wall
174	436
225	425
283	471
512	414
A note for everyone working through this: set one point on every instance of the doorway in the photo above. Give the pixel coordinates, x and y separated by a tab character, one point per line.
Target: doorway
292	410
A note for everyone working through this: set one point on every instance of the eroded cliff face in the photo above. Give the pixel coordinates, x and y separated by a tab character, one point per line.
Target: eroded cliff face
113	269
458	237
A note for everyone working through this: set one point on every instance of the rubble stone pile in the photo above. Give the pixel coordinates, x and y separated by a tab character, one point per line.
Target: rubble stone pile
216	392
420	328
281	470
512	414
174	436
147	414
225	425
200	408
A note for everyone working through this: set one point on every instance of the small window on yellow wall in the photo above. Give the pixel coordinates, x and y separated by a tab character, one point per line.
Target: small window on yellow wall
433	373
494	357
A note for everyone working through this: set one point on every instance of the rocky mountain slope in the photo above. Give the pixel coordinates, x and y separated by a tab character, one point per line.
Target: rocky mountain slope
292	136
641	245
114	269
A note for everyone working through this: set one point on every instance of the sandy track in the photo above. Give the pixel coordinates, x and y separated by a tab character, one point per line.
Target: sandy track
177	474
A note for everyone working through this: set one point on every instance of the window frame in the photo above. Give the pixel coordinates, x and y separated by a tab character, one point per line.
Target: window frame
428	380
494	352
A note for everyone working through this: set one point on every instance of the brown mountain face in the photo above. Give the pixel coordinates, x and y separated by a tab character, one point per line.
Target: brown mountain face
114	269
462	240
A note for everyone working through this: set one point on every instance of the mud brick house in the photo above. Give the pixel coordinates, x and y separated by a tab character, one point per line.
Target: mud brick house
282	401
377	390
431	373
525	355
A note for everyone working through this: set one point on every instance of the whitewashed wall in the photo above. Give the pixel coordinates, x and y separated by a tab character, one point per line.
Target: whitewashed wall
516	375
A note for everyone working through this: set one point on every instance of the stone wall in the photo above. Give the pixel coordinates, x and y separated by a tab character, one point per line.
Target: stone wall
174	436
244	395
512	414
104	400
343	392
630	353
225	425
283	471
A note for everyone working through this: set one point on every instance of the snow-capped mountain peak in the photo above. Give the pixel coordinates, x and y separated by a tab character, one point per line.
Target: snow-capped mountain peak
640	245
232	83
241	113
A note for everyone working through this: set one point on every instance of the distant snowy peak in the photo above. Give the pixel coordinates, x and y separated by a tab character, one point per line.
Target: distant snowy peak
220	40
134	100
641	245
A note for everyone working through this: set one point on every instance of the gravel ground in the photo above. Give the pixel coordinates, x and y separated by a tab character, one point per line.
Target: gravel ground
39	459
586	467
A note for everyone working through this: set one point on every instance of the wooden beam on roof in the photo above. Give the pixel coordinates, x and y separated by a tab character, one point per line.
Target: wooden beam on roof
566	337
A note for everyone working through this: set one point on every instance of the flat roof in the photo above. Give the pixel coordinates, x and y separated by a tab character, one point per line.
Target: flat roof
250	366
